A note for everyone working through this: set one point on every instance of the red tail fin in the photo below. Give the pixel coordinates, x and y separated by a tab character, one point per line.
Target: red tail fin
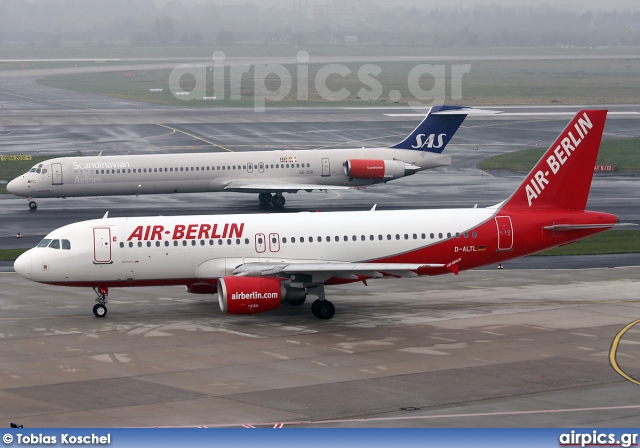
562	177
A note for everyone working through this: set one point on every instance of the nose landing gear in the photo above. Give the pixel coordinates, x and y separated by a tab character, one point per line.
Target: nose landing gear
100	309
33	205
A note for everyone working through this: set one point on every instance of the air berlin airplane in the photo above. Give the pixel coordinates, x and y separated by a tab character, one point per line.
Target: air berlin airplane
269	173
256	262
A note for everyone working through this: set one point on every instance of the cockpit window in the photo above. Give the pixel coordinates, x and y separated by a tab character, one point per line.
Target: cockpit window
44	243
66	245
44	171
32	170
38	171
55	244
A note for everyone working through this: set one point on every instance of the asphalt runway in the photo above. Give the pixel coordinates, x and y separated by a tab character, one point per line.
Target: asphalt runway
517	347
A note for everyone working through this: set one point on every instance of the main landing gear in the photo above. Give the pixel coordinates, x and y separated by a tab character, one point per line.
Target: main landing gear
33	205
277	200
100	309
323	309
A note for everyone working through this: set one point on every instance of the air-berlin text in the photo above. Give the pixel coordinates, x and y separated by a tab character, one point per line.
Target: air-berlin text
187	232
558	157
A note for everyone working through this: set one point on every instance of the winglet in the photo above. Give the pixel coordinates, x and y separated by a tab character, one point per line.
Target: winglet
373	209
106	215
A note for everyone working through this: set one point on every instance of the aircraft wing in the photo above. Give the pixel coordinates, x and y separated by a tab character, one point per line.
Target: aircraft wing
259	187
332	269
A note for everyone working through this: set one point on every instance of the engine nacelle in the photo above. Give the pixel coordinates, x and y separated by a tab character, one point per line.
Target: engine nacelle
250	295
201	288
378	169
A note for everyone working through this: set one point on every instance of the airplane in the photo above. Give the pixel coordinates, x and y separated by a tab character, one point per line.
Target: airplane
268	173
256	262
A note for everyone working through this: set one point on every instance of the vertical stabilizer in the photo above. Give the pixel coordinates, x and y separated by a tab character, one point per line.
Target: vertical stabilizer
562	177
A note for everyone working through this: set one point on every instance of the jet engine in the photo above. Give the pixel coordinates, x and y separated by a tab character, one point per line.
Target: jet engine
378	169
201	288
251	295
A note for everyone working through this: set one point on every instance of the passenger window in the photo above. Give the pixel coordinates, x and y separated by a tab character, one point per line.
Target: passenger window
184	242
302	239
175	243
166	244
193	242
439	235
139	243
55	244
474	234
148	243
121	244
157	243
44	243
130	244
353	237
432	236
293	239
229	242
219	242
448	234
202	242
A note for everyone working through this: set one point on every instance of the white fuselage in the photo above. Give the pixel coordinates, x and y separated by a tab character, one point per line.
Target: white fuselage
186	249
256	171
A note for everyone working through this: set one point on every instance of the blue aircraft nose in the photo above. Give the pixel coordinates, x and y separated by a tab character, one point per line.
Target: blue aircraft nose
22	265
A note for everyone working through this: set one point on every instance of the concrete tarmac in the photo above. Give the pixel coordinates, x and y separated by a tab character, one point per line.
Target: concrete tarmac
487	348
516	347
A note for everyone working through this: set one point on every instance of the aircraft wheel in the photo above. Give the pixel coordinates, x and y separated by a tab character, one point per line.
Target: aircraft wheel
99	310
264	198
33	205
323	309
278	201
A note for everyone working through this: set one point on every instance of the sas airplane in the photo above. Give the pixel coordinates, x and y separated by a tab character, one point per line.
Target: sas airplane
256	262
268	173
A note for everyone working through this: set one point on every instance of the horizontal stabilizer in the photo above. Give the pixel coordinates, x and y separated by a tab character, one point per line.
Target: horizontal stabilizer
468	111
565	227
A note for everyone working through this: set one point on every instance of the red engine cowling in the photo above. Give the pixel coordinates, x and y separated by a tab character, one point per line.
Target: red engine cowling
201	288
374	169
249	295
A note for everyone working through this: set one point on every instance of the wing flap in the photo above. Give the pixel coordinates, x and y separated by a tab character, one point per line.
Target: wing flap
365	269
258	187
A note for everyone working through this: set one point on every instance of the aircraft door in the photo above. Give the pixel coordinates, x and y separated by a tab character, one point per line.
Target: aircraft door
102	245
505	233
261	167
326	168
260	243
56	173
249	167
274	242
